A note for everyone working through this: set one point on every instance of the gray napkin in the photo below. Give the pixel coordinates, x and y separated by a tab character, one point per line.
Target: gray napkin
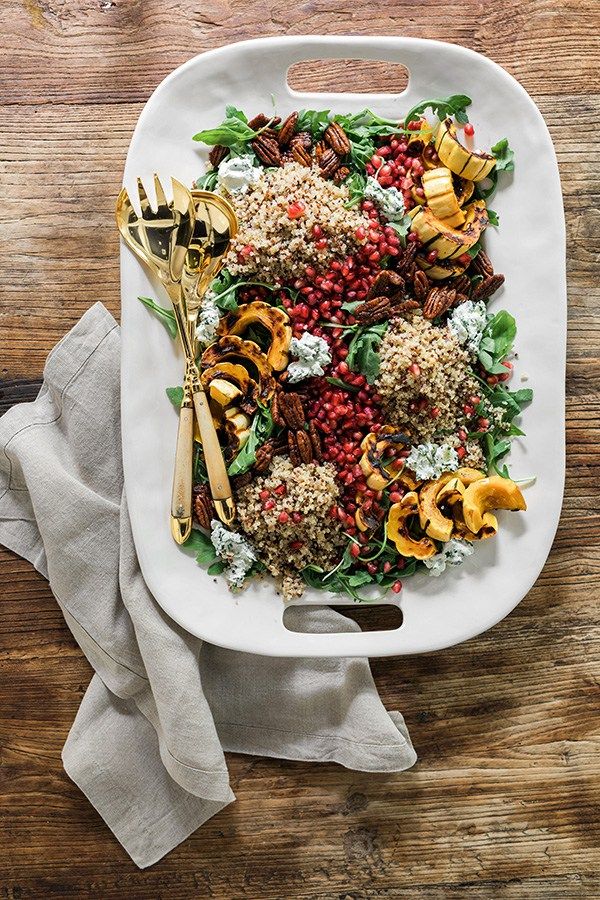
147	746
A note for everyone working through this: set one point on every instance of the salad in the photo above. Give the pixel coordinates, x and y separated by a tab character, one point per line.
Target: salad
357	379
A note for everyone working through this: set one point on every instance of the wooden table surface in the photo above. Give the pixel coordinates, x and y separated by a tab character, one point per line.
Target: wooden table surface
504	799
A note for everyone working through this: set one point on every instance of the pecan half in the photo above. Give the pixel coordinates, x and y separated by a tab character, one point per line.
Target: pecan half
407	258
203	506
460	298
337	138
376	310
261	120
420	285
304	444
302	139
292	410
438	300
315	440
301	155
341	174
264	456
276	410
407	306
267	150
487	287
287	129
320	148
217	154
482	265
241	481
293	451
329	163
461	284
385	284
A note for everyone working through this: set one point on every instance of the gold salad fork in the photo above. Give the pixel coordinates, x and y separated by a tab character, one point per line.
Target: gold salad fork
160	238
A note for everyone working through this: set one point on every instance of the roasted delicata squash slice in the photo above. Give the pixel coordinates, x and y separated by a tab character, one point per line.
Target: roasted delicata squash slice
463	189
241	387
463	162
377	472
431	496
439	271
486	494
449	242
248	355
397	529
237	428
438	185
276	321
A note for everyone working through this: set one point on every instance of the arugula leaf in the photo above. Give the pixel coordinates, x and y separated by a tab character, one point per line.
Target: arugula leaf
166	316
175	395
337	382
201	545
350	305
217	567
455	105
362	350
401	228
496	442
208	181
496	342
225	287
199	466
493	217
232	113
505	157
260	431
474	250
313	120
356	184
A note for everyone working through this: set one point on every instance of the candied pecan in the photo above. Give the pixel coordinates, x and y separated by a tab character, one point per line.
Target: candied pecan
337	138
407	258
329	163
482	265
217	154
304	445
420	285
315	440
292	410
487	287
341	174
261	120
293	451
302	139
460	298
320	148
276	410
406	306
203	506
287	129
270	132
267	150
280	448
241	481
263	456
376	310
438	300
461	284
301	155
385	284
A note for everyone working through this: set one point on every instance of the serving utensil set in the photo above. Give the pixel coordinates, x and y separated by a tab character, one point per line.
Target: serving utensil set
183	241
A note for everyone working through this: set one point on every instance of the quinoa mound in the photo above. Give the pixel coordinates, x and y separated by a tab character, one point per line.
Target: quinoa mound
297	530
423	370
280	245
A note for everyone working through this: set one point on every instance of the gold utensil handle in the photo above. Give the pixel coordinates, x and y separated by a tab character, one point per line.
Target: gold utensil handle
213	455
181	497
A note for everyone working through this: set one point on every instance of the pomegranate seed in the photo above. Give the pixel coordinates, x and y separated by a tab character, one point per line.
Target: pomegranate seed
296	210
371	568
269	504
461	452
376	161
296	545
432	256
387	566
414	370
434	412
397	587
321	243
469	130
317	231
462	434
483	423
297	517
464	259
281	490
283	517
395	496
264	495
246	250
354	550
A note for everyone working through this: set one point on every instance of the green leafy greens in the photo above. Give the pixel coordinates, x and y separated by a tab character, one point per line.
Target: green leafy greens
166	316
504	406
260	431
505	162
362	350
496	342
175	395
455	105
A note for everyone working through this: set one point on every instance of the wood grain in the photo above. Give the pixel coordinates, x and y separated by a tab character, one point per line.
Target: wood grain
504	799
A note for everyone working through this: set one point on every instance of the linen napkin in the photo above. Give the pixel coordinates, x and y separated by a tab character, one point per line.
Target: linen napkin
148	742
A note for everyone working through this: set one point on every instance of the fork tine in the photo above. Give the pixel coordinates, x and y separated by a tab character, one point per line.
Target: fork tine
141	191
160	194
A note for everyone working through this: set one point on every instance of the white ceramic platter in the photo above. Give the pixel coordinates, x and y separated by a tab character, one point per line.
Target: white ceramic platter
529	248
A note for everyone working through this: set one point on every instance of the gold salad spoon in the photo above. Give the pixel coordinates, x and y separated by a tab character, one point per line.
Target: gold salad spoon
160	238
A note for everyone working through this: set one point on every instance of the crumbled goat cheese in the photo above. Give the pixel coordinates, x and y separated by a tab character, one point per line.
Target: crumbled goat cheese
312	353
237	174
452	554
467	323
389	200
429	461
208	319
234	550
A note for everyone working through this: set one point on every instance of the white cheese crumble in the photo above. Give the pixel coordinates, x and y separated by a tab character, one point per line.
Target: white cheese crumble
429	460
467	322
208	319
234	550
312	354
389	200
237	174
452	554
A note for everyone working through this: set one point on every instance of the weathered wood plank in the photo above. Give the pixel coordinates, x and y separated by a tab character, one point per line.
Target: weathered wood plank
504	800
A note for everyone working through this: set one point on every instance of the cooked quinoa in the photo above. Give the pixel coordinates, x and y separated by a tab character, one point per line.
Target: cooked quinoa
282	245
307	533
423	368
